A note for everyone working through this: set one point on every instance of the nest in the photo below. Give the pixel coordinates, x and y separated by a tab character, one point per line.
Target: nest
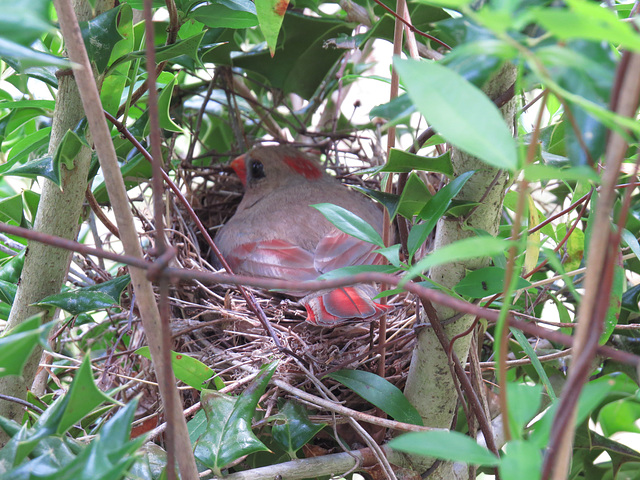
214	324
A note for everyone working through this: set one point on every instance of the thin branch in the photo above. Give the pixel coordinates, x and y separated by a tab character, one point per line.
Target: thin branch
435	296
410	26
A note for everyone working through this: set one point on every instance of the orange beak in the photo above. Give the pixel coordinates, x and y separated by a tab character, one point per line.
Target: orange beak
239	167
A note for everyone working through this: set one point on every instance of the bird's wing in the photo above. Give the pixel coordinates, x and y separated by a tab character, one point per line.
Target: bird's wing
338	249
273	259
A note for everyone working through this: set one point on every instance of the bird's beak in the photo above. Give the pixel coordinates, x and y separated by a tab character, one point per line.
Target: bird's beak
239	167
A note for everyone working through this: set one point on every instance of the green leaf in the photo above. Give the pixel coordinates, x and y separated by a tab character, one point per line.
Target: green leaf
25	57
484	282
21	150
11	269
188	47
379	392
293	429
164	106
615	304
17	104
16	345
465	249
355	269
535	361
11	209
537	172
524	402
391	253
188	369
587	21
270	15
433	210
24	22
8	292
227	14
454	4
133	172
459	111
522	461
302	62
78	301
83	396
40	167
395	110
402	162
631	298
445	445
619	416
228	435
349	223
113	287
388	200
100	35
415	195
632	242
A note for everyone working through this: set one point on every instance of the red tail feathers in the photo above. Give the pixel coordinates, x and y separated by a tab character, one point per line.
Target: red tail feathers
328	309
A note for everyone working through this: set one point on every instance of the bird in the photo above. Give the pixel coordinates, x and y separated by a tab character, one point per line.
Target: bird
275	233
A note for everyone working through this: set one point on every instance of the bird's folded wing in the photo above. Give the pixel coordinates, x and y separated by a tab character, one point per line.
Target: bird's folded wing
338	249
273	259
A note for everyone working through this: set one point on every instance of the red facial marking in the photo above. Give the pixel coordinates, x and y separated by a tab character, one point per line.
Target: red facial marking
178	357
281	7
304	167
240	168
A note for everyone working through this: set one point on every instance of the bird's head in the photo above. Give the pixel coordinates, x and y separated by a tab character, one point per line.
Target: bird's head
272	166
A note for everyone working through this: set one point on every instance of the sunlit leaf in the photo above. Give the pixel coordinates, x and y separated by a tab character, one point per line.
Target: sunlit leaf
445	445
188	369
465	249
270	15
349	223
459	111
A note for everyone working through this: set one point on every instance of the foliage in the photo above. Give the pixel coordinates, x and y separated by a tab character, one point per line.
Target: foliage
236	72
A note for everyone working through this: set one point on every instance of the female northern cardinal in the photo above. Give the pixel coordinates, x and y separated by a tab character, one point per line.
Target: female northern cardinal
276	234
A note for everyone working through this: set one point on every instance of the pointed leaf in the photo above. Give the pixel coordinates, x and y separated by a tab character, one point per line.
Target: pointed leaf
446	445
25	57
41	167
349	223
484	282
82	397
465	249
433	210
270	15
113	287
524	401
522	461
401	161
12	269
188	369
459	111
380	392
78	301
388	200
227	14
8	291
415	195
293	429
100	35
16	345
164	105
228	435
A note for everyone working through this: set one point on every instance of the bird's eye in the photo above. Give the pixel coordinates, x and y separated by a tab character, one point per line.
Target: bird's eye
257	170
